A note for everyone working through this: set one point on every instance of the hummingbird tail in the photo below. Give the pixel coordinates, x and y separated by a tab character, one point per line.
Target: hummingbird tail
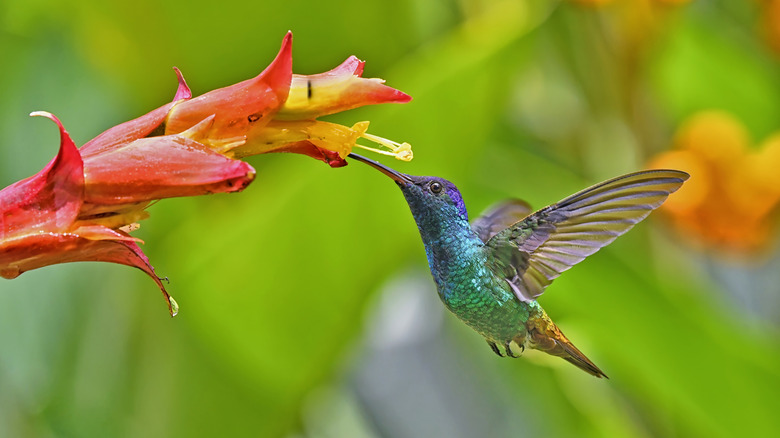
549	338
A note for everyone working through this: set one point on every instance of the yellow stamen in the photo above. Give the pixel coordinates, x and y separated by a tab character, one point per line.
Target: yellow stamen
202	134
277	134
129	228
401	151
112	216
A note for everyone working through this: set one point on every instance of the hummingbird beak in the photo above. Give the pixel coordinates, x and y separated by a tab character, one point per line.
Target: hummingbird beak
398	177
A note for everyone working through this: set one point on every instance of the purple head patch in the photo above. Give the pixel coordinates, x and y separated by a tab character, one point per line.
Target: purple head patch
457	199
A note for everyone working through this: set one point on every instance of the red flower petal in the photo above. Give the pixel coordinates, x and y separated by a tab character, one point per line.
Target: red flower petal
337	90
238	106
38	218
331	158
92	243
139	127
183	91
350	66
49	200
127	132
161	167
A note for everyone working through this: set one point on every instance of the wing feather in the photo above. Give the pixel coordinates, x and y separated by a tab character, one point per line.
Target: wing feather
499	216
535	250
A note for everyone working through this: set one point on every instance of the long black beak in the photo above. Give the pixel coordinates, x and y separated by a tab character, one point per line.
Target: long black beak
398	177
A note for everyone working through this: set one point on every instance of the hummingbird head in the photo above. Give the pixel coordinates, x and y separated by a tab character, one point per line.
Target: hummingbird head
428	196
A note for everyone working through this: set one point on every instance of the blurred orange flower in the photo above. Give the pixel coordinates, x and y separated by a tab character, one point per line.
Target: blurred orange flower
771	23
731	201
592	2
635	2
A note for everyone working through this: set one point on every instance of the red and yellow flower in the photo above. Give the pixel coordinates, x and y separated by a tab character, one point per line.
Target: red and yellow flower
85	202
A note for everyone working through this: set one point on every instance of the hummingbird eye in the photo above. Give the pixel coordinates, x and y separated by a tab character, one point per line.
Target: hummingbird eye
435	187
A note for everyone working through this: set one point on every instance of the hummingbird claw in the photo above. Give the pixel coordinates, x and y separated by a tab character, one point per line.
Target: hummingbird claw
512	348
509	352
495	349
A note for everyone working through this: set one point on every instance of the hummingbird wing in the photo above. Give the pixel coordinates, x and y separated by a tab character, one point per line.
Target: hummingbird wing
499	216
532	252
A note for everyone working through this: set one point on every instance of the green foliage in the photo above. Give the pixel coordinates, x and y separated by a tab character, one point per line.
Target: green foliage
280	286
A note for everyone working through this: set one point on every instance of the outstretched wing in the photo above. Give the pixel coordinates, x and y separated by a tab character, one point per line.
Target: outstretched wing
499	216
533	252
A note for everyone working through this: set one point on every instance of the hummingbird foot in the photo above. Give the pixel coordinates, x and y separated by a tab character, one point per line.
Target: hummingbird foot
512	348
495	349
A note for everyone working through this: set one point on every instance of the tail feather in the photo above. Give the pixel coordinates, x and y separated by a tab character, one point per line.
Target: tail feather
545	336
574	356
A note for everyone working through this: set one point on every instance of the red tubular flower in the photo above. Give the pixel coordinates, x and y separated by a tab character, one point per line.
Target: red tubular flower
162	167
334	91
82	206
294	128
127	165
238	107
276	112
40	225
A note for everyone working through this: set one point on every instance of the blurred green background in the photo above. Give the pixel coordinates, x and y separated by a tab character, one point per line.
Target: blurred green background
306	305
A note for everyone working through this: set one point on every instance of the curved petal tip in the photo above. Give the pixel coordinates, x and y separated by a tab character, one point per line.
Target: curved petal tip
397	96
352	65
66	143
183	91
278	74
48	115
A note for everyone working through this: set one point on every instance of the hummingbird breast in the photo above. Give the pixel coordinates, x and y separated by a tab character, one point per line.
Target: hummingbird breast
461	268
470	290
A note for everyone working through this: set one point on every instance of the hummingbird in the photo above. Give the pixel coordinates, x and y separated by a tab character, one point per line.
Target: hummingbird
490	272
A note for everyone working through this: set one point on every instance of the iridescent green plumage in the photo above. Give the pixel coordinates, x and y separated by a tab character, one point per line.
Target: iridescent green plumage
490	273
